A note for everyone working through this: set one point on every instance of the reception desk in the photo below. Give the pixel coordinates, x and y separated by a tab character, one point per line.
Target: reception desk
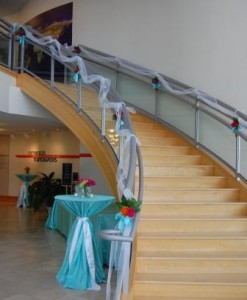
79	219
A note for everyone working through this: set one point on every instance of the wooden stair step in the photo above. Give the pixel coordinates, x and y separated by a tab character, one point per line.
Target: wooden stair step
181	244
143	126
158	133
163	182
223	286
157	160
191	265
193	226
178	298
190	195
169	141
206	278
193	254
191	209
166	150
192	234
188	170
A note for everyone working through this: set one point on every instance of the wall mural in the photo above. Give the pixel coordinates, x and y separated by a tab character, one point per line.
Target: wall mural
57	23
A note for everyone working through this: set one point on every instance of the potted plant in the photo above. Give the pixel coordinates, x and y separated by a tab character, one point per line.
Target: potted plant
43	191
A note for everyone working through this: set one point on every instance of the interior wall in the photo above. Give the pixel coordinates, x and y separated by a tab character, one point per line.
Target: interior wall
4	164
61	142
198	42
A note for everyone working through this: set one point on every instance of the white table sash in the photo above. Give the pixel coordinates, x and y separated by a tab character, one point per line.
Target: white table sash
82	222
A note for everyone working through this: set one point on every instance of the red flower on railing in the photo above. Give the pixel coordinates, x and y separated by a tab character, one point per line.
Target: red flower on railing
20	32
77	49
156	83
128	209
235	125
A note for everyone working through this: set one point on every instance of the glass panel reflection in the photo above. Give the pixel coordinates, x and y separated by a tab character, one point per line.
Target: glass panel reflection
177	113
217	138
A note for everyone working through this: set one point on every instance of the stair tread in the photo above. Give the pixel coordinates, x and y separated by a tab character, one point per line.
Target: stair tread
195	278
194	235
233	203
241	254
192	218
177	298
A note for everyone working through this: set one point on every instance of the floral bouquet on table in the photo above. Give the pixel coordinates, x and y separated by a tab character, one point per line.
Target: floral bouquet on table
84	184
128	209
27	170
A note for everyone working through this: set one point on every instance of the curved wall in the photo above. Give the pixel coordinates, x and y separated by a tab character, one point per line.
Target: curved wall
199	42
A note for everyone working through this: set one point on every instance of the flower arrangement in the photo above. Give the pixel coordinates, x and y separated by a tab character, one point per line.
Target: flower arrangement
27	170
118	117
128	209
156	83
84	182
235	126
21	33
76	75
77	49
84	186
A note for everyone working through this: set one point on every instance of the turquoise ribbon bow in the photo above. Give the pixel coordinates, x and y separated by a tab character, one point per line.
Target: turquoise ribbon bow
22	40
156	85
76	77
124	221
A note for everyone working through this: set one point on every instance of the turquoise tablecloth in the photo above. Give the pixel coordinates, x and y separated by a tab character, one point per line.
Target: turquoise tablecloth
23	199
82	267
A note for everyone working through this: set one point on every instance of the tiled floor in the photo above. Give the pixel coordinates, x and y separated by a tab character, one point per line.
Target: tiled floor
30	256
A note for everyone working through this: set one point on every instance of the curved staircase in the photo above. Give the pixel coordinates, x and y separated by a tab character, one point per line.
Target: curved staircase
192	236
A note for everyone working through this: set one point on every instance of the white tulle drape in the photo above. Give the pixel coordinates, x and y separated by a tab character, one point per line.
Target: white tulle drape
104	88
200	95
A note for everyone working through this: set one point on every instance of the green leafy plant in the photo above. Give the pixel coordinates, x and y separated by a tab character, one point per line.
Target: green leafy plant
43	191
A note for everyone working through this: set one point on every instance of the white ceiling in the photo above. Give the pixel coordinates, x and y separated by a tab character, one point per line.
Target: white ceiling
17	124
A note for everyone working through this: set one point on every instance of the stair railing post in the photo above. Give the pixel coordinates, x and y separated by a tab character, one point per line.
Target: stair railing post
238	155
103	120
197	122
156	95
11	52
22	55
79	93
117	79
52	74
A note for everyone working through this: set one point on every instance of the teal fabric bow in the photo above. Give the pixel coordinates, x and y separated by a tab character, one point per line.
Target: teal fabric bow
124	221
22	40
76	77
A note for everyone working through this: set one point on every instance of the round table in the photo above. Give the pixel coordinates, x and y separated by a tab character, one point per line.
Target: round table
81	268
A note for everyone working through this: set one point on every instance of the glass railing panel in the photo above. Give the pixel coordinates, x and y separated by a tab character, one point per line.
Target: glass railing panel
60	74
243	158
103	71
177	113
65	83
136	92
37	61
110	131
217	138
4	49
